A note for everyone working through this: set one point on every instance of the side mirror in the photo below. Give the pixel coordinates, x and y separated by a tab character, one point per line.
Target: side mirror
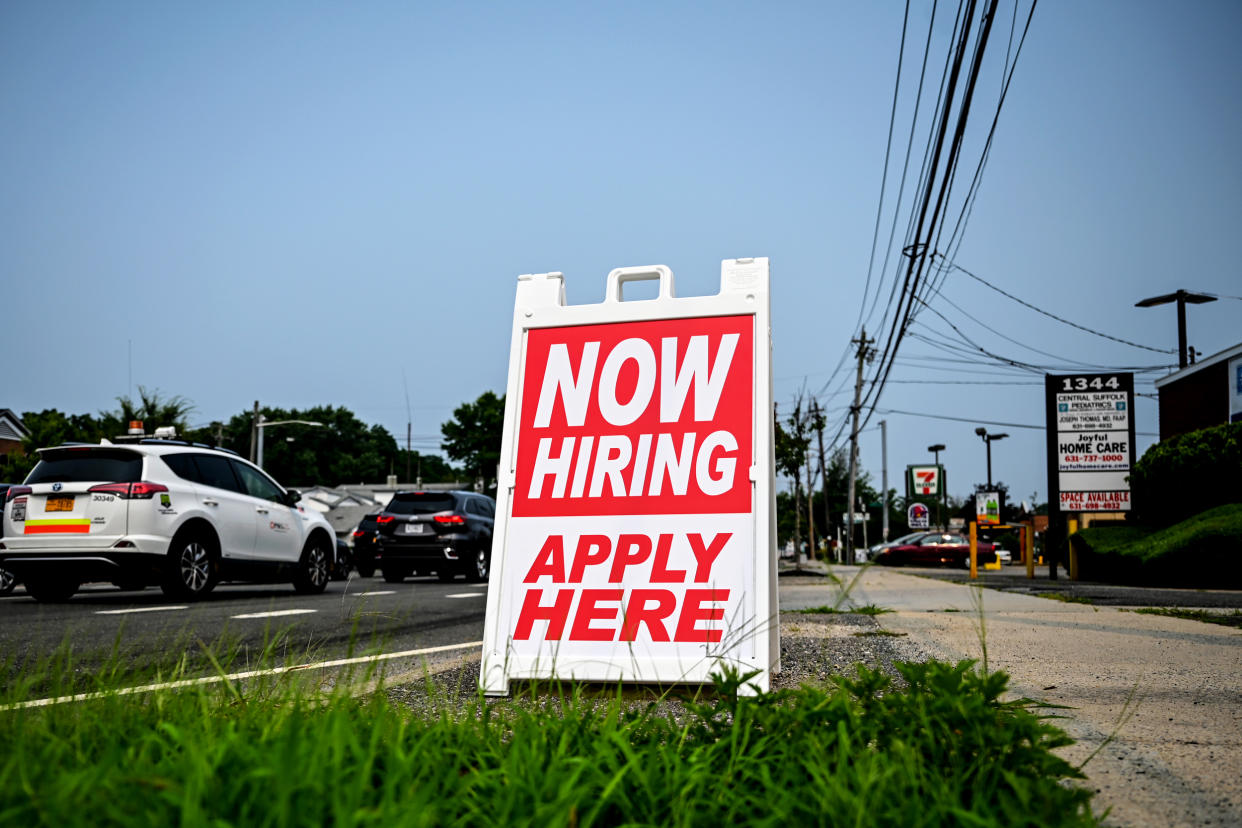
292	496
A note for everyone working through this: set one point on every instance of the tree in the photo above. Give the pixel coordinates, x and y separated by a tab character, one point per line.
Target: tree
473	437
151	408
48	428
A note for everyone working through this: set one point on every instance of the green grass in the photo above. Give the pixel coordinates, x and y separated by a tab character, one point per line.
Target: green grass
938	748
880	633
1065	598
1226	619
1204	550
866	609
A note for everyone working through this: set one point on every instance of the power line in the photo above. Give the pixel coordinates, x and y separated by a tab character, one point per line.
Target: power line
1023	302
984	422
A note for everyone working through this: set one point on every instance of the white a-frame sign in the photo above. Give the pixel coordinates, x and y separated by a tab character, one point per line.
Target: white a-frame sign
635	533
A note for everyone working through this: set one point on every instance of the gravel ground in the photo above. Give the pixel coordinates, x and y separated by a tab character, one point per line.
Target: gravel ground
813	648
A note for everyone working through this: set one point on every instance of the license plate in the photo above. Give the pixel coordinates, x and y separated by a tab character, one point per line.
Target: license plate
413	528
59	504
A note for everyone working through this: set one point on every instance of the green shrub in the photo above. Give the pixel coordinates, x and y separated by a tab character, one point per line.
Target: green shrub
1188	474
1202	551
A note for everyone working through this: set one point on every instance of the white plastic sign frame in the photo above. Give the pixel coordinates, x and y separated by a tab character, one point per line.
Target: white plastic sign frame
635	537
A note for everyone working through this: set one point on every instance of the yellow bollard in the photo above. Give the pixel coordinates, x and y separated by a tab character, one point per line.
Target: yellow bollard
1028	542
1073	552
974	551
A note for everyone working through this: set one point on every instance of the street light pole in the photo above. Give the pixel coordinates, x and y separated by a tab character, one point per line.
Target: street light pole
1181	298
936	449
987	440
263	423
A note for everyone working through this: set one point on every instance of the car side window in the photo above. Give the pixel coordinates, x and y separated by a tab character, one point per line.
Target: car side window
472	506
215	471
489	508
183	466
257	484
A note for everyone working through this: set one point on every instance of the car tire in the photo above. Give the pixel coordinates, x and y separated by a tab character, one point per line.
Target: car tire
482	567
193	566
7	581
394	576
51	590
313	575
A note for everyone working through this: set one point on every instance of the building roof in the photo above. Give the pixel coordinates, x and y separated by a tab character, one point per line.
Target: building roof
1182	373
11	426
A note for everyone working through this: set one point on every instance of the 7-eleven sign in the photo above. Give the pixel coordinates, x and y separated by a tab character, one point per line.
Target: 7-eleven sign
924	480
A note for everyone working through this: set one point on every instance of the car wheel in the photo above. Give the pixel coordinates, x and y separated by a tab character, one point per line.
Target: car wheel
313	573
191	570
394	576
51	590
482	566
446	574
7	581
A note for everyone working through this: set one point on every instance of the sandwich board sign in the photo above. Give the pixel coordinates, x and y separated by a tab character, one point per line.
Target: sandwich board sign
635	537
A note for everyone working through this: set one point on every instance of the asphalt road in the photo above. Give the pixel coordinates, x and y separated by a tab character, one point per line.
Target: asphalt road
361	615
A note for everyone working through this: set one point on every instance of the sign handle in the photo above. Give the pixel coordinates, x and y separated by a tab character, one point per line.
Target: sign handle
622	275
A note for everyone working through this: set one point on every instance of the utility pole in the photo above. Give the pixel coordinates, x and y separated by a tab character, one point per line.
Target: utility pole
884	473
823	472
254	431
865	354
810	505
408	427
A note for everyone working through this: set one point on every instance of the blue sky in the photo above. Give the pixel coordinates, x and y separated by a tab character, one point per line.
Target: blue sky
303	203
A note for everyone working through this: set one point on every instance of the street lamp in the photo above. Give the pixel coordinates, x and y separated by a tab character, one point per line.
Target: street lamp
1181	298
987	439
266	423
944	502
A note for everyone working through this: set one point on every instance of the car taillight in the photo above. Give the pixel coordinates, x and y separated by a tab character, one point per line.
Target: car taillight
130	491
17	491
384	519
358	533
449	519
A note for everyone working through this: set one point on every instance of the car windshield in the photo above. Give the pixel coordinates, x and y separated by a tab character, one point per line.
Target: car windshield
419	503
87	465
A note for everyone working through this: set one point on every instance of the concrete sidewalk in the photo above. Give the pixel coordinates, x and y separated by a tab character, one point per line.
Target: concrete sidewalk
1170	689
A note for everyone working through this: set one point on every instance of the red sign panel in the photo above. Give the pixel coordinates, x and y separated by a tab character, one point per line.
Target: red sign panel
637	418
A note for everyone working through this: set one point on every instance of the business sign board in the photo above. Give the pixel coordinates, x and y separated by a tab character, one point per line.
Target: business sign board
918	516
1090	430
987	508
924	480
635	538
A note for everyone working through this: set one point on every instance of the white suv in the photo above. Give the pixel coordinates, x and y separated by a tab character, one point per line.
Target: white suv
181	515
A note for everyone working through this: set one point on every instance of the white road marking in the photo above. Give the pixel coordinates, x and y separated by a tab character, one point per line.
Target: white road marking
468	595
140	609
375	592
275	671
274	613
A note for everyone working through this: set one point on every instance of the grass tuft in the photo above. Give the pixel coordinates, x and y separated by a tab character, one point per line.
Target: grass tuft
1226	619
937	748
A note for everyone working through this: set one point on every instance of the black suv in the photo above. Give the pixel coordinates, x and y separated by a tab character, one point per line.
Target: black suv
365	537
443	532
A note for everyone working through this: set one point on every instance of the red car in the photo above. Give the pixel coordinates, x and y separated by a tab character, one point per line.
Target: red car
936	549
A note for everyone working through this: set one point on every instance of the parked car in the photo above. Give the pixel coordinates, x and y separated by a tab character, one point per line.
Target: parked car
342	561
870	554
157	511
7	579
448	533
364	538
936	549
